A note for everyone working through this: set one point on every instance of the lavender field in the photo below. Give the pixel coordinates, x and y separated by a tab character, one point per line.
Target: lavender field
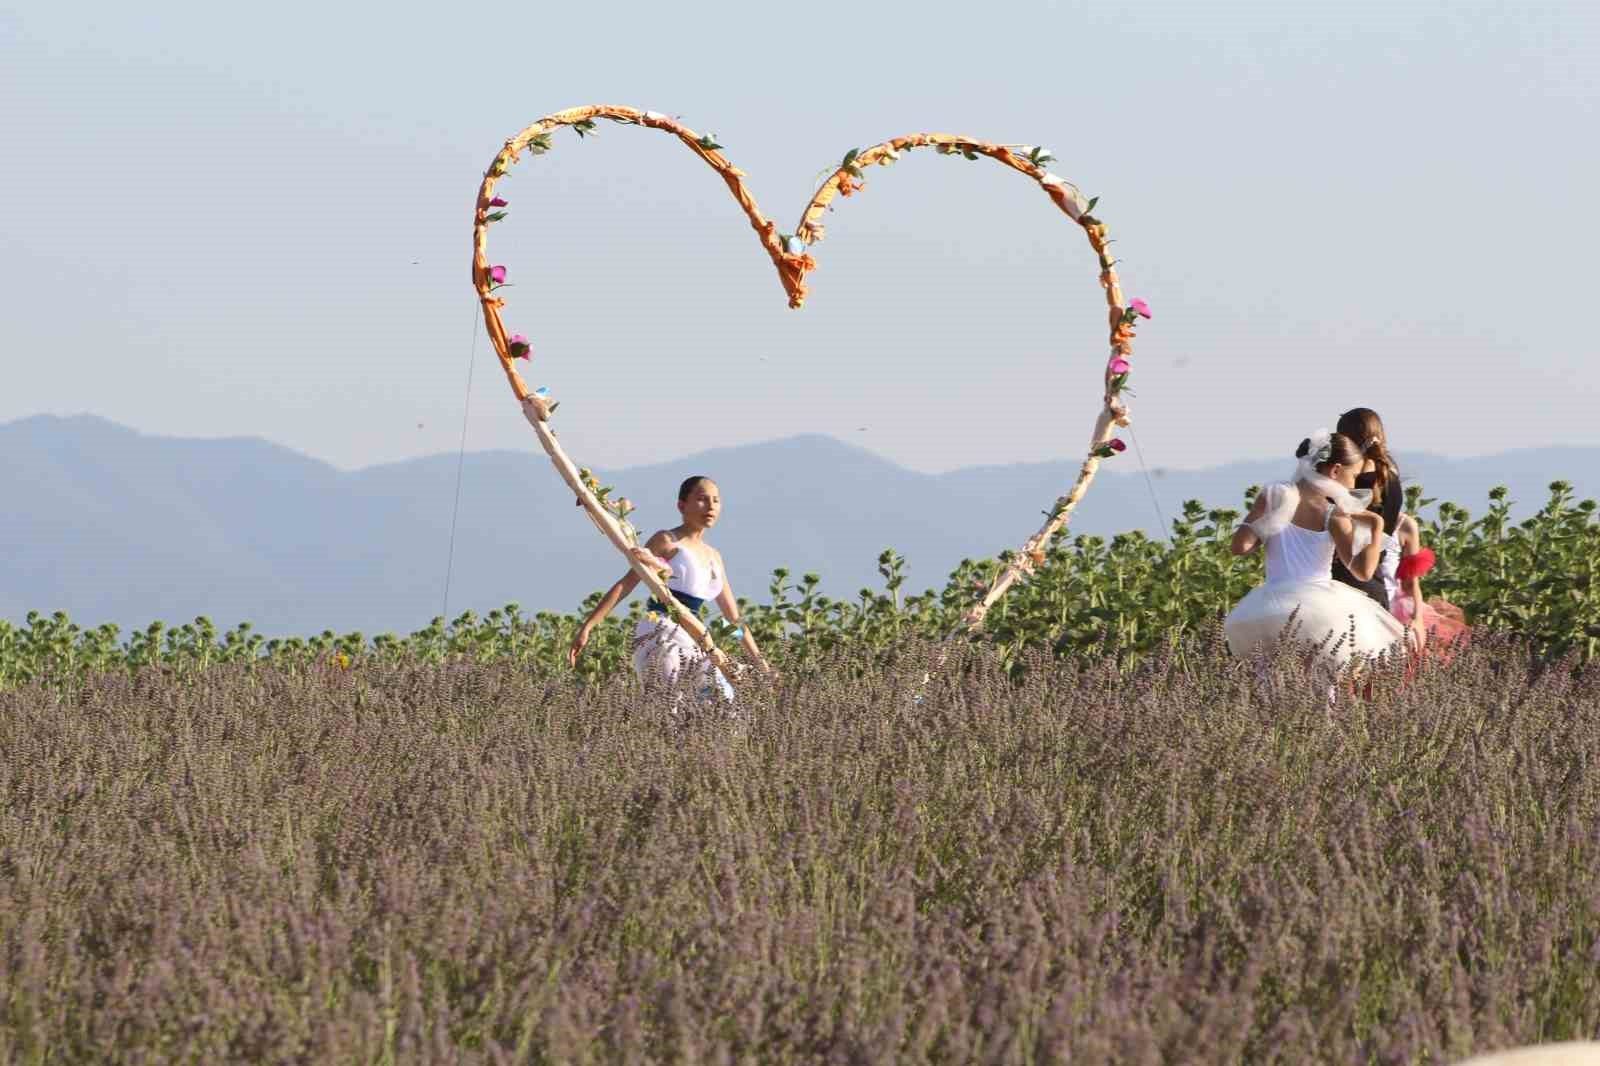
411	862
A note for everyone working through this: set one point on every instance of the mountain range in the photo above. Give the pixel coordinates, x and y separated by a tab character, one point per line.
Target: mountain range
114	525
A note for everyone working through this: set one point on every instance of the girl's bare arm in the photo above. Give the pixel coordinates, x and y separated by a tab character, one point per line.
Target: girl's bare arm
659	544
1342	527
1410	537
728	604
1245	540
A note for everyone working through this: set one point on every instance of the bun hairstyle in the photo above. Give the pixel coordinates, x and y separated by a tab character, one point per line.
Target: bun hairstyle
1340	450
689	485
1363	425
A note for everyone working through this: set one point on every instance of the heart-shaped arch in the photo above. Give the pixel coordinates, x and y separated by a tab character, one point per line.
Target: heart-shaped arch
789	255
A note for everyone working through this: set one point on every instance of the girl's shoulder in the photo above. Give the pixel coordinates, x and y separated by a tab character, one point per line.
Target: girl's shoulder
1276	494
1274	508
663	543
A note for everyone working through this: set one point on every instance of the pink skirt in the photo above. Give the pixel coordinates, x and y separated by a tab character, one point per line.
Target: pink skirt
1444	626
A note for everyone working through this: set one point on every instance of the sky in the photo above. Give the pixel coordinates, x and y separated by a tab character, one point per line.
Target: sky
226	220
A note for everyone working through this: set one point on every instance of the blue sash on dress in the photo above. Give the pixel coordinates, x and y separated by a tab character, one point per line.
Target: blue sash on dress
694	603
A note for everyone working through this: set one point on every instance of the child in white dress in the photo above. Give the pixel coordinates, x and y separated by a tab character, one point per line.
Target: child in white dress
1303	525
664	653
1437	627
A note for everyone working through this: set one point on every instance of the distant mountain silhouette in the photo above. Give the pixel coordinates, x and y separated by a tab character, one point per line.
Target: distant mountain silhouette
110	524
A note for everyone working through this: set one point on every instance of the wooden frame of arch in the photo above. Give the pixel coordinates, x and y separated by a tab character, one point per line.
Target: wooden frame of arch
789	255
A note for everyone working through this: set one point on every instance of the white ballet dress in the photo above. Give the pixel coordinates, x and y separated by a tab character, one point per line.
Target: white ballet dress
1346	622
1389	567
664	654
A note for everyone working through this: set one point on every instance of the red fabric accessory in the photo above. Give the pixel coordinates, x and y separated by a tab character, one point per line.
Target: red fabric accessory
1413	566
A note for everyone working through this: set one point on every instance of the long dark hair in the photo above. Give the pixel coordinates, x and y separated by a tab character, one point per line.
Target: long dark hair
1363	425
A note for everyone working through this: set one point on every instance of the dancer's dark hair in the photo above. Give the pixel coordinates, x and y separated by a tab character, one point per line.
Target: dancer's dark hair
1363	425
1341	450
689	485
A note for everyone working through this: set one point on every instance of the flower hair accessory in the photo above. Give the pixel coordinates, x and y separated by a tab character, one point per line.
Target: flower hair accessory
1319	449
1282	498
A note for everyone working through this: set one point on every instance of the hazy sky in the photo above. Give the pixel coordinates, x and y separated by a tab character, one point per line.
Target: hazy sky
223	219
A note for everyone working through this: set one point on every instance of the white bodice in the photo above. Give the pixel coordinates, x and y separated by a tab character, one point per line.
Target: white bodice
1297	556
693	576
1389	566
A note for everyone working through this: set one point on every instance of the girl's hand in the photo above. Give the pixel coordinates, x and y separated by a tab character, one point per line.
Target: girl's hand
585	631
758	661
1418	632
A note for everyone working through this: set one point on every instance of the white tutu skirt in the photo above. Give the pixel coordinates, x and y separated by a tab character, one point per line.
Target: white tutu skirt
1346	622
665	655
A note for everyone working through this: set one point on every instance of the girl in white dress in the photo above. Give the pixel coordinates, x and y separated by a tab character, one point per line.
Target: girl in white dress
1303	525
664	654
1436	627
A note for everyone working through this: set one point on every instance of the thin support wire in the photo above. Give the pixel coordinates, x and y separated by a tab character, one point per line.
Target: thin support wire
1149	484
461	458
